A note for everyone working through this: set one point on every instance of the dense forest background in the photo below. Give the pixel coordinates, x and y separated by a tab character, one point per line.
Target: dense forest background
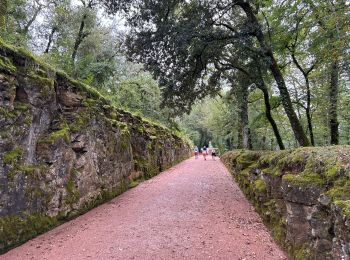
257	75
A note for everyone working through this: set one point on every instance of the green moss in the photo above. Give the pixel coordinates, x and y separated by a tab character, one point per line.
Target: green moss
273	171
28	120
125	145
279	231
303	180
91	92
260	186
271	158
332	171
7	114
104	196
43	73
344	206
80	122
21	114
42	81
20	53
35	195
6	47
148	167
73	194
133	184
28	170
90	103
114	115
15	230
304	167
302	253
7	66
294	161
340	190
246	159
13	156
27	54
23	107
57	135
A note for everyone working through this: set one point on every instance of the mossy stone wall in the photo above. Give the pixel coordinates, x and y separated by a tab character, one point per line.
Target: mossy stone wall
303	195
65	149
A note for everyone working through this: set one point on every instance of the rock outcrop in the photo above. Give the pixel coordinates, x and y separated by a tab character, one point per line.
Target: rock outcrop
64	148
303	195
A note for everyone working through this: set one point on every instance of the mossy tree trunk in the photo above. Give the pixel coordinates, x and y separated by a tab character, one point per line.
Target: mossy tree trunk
79	39
333	100
3	15
82	33
277	74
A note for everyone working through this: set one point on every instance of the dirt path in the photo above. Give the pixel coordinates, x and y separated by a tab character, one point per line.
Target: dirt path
192	211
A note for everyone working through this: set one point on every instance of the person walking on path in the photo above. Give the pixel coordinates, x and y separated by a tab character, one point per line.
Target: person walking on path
213	154
196	152
204	152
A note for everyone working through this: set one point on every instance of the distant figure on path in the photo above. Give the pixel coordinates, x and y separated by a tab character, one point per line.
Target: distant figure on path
204	152
213	154
196	151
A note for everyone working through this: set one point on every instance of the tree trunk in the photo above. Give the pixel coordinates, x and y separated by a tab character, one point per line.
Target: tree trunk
3	15
247	139
276	72
308	110
308	94
25	30
333	99
244	137
53	30
78	40
270	118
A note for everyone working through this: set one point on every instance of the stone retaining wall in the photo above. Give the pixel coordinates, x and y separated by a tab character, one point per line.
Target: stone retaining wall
65	149
303	195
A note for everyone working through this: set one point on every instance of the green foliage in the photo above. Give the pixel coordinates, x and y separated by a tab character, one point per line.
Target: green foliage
211	120
202	59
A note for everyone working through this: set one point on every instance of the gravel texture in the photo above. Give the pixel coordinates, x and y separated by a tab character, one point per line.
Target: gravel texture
191	211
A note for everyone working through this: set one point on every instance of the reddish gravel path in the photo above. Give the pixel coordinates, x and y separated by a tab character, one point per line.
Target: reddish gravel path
192	211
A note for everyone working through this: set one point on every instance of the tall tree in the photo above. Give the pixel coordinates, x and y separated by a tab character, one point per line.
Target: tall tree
332	18
179	41
276	72
83	32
